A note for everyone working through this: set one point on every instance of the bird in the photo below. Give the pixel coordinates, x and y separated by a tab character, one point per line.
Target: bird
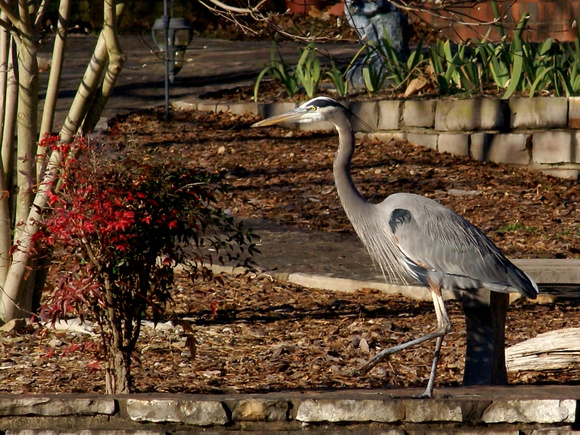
411	238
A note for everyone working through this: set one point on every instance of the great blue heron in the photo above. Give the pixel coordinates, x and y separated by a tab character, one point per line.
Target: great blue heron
412	238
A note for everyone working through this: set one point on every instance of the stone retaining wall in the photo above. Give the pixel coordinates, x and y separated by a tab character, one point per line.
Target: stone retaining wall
540	133
475	410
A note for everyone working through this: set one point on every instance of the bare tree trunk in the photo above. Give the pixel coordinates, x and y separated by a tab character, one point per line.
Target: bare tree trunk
118	373
116	60
8	99
85	92
12	297
85	103
26	126
15	298
54	79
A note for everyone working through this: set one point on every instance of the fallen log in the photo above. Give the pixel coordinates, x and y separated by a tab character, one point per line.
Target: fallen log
555	350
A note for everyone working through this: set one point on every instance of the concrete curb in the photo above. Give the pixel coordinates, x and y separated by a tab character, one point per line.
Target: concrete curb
558	279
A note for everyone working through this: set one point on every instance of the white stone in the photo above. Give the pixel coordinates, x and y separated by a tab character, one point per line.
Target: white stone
419	113
531	411
48	406
552	147
540	112
242	108
577	147
194	412
511	148
366	115
350	410
419	411
469	115
426	140
260	410
388	116
268	110
456	144
574	113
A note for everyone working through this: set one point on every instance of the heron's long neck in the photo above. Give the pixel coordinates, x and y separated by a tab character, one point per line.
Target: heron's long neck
350	197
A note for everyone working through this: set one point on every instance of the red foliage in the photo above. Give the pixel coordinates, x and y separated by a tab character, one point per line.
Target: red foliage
110	222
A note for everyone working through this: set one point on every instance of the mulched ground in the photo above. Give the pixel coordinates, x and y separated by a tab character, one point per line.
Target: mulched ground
256	334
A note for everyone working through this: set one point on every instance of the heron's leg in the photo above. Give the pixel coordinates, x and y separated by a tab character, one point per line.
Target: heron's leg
443	324
443	327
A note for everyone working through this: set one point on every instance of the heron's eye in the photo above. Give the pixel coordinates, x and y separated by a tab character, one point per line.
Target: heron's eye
313	108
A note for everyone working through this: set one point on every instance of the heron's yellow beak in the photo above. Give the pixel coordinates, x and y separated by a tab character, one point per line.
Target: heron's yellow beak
290	116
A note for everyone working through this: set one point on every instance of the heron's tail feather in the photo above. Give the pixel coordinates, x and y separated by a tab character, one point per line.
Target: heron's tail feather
519	282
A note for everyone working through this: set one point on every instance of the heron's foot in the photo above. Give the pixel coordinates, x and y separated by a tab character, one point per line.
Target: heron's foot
426	395
371	363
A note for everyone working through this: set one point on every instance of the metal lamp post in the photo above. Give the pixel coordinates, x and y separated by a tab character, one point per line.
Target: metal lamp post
172	36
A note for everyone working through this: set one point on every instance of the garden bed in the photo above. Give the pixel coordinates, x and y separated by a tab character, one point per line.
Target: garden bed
255	334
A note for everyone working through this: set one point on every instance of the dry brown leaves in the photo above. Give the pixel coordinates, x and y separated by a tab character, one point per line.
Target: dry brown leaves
286	177
255	334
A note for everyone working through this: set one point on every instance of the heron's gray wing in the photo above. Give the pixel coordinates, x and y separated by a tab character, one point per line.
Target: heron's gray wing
441	241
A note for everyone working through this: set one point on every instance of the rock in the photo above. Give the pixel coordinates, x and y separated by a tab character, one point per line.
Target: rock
194	412
433	410
14	325
531	411
47	406
260	410
311	411
461	192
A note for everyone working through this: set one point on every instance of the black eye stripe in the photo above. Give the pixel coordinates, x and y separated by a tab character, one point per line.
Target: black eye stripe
325	102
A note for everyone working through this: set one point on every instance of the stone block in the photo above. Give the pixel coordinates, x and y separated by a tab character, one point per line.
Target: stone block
540	112
511	149
388	116
366	115
184	105
574	113
552	147
387	137
242	108
328	410
260	410
560	172
48	406
427	140
433	410
531	411
206	106
469	115
222	107
456	144
576	145
194	412
419	113
267	110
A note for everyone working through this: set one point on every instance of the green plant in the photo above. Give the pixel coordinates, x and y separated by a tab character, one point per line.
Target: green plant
516	226
279	72
308	70
393	68
374	77
338	79
512	65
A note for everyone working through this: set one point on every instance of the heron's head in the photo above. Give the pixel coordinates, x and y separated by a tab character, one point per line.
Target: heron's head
316	110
